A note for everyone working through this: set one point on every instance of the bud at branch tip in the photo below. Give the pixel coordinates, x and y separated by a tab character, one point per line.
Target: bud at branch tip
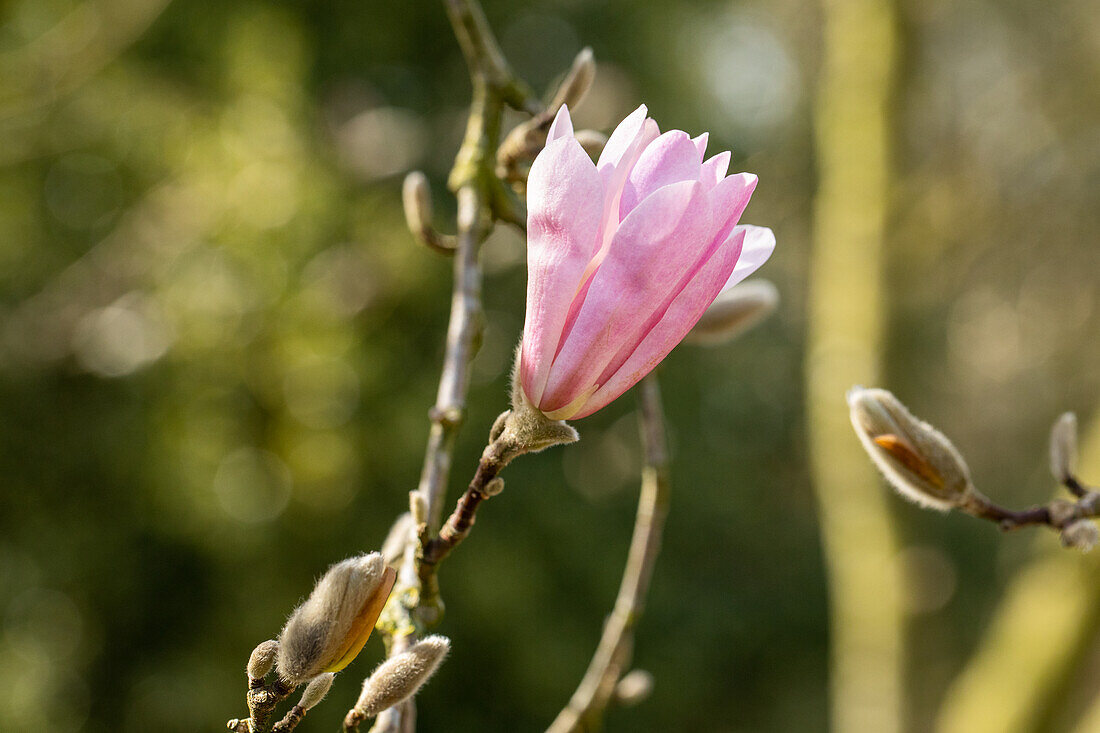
262	659
316	690
399	677
918	460
1081	535
1063	447
325	633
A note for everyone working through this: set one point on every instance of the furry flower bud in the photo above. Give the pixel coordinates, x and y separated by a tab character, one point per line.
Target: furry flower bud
327	631
399	677
316	690
393	549
1063	447
735	311
1081	535
577	81
262	659
918	460
634	687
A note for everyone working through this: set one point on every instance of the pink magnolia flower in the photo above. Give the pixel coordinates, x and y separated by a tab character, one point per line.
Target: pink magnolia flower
624	256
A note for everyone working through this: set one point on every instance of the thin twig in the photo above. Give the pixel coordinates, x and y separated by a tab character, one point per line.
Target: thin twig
1057	515
290	720
495	457
484	57
479	196
612	656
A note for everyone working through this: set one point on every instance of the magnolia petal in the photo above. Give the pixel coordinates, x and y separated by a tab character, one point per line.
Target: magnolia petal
758	247
654	249
564	211
614	180
682	314
701	144
364	622
670	158
562	126
729	199
622	138
714	169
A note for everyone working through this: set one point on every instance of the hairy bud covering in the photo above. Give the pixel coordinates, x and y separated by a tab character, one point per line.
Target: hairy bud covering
735	311
327	631
417	199
577	81
393	549
1063	447
399	677
262	659
1081	535
316	690
634	687
918	460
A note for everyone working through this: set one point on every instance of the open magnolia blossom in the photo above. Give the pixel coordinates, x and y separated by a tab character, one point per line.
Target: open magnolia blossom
624	257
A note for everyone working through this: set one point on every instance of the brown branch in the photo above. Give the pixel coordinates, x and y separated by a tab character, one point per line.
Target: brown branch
612	656
484	484
1057	514
477	189
290	720
262	699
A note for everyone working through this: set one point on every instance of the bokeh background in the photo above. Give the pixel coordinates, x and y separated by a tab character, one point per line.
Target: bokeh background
218	344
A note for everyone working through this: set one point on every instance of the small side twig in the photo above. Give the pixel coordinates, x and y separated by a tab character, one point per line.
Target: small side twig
416	198
480	197
1057	514
485	484
290	720
612	656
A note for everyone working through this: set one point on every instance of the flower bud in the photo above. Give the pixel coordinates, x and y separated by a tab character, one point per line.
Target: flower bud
393	549
418	507
634	687
735	311
327	631
416	197
399	677
577	82
316	690
1063	447
494	487
262	659
1062	512
1081	535
918	460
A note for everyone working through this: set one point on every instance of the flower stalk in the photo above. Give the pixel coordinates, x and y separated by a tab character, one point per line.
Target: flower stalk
612	657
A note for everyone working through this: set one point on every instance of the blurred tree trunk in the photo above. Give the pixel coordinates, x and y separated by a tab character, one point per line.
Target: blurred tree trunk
1028	664
845	335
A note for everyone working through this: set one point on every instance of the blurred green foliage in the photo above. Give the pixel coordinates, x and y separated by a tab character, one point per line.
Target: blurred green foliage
218	345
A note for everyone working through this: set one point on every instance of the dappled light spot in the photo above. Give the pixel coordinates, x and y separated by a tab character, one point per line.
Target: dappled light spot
252	485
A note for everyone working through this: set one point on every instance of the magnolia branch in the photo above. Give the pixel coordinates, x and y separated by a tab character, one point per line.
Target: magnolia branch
612	656
923	465
262	698
1057	514
480	194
